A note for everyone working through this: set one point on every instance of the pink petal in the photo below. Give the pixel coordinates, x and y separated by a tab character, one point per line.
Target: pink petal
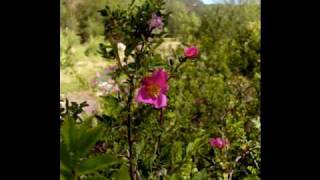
161	78
165	89
191	52
142	97
148	81
161	101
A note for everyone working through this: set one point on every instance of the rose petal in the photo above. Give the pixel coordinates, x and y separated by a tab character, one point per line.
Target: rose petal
161	101
142	97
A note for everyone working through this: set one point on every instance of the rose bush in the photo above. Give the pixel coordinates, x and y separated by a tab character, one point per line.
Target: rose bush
160	119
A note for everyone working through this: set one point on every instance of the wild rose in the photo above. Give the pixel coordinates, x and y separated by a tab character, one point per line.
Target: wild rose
191	52
155	22
218	142
153	89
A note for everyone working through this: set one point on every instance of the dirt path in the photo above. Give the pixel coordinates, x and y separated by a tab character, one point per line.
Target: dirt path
82	96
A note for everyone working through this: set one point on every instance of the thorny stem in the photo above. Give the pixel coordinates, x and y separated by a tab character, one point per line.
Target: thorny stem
129	126
128	108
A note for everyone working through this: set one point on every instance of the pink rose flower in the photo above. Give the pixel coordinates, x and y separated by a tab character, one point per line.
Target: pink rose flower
218	142
155	22
153	89
191	52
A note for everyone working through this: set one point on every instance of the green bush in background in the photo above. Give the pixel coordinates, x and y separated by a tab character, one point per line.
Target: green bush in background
218	95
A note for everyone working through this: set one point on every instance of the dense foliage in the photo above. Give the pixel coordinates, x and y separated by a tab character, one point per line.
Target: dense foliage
215	95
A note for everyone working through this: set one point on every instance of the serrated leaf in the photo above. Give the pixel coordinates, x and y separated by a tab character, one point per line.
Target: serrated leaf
65	157
96	163
87	139
68	132
123	173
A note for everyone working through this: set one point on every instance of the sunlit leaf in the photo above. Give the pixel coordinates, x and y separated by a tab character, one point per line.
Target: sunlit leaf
95	163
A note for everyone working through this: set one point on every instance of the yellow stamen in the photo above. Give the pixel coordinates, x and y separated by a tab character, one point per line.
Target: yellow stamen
153	90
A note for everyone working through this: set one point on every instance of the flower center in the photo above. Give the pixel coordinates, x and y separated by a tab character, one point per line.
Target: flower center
153	90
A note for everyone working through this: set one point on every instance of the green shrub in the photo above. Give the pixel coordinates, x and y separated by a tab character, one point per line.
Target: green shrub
215	95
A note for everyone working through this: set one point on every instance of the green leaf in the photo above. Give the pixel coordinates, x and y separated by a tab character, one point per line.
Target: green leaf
251	177
88	138
103	12
200	175
96	163
156	61
193	146
110	99
68	132
65	173
132	65
176	152
175	177
107	52
108	120
65	157
122	173
95	178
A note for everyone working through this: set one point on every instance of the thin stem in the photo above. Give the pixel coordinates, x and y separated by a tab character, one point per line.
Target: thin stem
254	160
159	137
115	45
236	161
131	4
209	160
176	69
129	127
191	174
161	117
74	174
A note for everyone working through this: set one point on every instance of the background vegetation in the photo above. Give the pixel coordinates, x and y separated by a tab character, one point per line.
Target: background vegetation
217	96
